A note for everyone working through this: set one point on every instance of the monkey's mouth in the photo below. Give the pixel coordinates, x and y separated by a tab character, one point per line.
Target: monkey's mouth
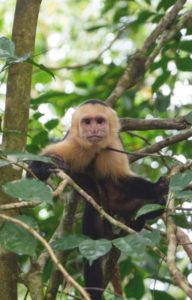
94	138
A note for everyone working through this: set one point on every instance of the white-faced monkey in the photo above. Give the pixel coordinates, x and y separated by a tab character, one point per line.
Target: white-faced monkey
84	154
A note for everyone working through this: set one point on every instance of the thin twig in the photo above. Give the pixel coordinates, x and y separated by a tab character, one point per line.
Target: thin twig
17	205
94	60
162	144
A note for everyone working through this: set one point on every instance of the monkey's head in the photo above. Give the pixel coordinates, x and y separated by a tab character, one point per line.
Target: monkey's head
94	124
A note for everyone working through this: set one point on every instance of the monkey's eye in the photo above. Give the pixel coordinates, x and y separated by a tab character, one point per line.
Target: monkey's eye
86	121
100	120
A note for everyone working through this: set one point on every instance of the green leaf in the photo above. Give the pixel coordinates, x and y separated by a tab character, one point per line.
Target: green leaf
179	181
68	242
93	249
180	220
144	16
29	190
16	239
162	102
184	64
134	245
153	237
41	138
148	208
4	163
25	156
40	66
187	195
7	48
134	289
52	124
188	118
185	46
160	80
165	4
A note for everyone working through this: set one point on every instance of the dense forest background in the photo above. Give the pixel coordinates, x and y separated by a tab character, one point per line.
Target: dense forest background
136	55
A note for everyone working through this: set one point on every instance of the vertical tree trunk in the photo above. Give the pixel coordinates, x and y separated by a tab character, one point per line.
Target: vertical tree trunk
16	120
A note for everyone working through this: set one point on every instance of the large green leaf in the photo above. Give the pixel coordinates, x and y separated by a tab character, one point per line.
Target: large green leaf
16	239
93	249
135	289
148	208
29	190
134	245
25	156
4	163
68	242
179	181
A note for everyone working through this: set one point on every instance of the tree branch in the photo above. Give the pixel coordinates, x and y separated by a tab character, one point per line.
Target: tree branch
162	144
185	242
178	277
167	35
153	124
137	64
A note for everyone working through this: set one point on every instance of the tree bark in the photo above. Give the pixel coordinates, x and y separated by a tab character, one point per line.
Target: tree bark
16	120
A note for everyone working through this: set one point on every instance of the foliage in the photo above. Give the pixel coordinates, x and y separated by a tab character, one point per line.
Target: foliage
82	49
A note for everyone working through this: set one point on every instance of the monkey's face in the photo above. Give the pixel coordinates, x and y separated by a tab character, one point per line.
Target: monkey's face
94	125
93	128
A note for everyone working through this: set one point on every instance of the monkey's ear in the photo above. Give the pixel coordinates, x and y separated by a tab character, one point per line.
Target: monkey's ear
43	170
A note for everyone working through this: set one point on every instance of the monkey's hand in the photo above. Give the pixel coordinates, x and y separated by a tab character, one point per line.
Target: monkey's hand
43	170
162	185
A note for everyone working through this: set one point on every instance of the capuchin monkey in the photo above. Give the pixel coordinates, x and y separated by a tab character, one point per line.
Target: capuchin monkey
86	155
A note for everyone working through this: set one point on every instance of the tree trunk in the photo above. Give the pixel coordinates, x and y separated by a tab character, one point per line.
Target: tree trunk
16	120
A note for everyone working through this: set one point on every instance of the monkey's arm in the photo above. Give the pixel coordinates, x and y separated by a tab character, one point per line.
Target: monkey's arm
126	196
43	170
